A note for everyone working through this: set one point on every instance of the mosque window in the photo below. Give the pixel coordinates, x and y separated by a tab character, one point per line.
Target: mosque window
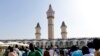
61	44
66	44
56	43
82	43
37	44
71	43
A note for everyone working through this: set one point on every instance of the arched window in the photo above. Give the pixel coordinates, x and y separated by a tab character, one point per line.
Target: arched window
77	43
51	44
41	44
47	44
61	44
66	44
56	43
82	43
71	43
37	44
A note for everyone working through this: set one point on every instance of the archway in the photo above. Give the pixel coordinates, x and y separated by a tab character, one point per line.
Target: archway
61	44
37	44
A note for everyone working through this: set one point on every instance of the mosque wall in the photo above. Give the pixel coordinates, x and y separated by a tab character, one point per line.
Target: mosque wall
60	43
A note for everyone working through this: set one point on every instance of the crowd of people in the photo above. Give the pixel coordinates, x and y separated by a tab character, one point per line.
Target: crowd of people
91	49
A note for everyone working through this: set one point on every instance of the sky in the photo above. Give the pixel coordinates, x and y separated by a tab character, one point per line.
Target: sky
18	18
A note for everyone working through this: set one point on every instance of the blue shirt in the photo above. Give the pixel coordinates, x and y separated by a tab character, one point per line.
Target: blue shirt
77	53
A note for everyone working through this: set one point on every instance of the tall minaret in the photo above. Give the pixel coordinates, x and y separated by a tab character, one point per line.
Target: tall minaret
38	31
63	30
50	16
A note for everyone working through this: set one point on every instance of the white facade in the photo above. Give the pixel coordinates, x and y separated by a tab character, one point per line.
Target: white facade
61	43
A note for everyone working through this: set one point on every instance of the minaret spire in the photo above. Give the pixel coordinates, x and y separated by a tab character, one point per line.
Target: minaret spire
50	12
63	24
50	8
38	25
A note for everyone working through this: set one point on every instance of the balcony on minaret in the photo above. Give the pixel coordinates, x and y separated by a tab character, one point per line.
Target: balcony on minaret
50	12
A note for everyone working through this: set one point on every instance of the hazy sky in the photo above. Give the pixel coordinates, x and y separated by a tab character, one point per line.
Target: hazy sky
18	18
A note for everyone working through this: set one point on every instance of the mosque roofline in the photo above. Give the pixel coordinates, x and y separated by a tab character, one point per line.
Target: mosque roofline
47	39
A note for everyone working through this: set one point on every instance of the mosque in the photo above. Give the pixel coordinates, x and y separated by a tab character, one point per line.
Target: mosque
64	42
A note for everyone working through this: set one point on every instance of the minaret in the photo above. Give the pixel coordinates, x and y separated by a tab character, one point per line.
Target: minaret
63	30
38	31
50	17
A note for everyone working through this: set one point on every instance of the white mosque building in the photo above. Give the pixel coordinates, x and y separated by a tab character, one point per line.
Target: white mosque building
64	42
50	16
